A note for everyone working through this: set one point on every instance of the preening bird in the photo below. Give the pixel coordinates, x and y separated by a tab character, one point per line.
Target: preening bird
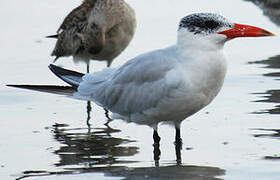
96	30
166	85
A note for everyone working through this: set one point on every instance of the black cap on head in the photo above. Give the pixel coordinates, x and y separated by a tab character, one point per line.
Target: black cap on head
204	23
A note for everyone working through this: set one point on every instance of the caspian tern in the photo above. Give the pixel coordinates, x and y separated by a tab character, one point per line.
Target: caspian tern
96	30
166	85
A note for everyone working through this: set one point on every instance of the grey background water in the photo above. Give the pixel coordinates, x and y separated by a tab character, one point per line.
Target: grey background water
46	136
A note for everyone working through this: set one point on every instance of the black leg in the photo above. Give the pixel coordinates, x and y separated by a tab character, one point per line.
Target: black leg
156	137
178	148
178	145
156	148
156	154
178	139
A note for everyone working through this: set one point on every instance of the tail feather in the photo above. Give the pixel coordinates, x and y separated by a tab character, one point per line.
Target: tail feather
62	90
53	36
71	77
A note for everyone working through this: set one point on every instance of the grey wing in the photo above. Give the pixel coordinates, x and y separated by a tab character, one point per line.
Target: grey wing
135	87
134	98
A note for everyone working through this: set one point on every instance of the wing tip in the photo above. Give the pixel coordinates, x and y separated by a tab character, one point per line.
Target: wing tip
54	69
63	73
53	36
12	85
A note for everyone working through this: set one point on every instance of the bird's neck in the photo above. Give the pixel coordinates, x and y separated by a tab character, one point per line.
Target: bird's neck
187	41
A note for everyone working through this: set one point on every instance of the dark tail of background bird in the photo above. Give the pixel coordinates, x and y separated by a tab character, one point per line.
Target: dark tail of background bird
71	77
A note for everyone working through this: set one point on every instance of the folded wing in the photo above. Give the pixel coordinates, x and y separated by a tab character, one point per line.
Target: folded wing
135	87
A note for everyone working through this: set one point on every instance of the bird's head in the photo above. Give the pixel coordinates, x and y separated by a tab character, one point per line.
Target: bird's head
209	28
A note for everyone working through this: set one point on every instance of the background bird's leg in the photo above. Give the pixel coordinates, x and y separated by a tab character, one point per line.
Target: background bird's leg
107	116
88	67
109	63
106	111
88	115
88	105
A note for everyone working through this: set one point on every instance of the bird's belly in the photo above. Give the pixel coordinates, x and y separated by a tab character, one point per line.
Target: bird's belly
179	108
190	91
110	51
182	103
174	108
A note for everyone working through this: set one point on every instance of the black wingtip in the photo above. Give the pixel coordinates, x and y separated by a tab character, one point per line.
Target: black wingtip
55	69
58	71
67	75
12	85
61	71
53	36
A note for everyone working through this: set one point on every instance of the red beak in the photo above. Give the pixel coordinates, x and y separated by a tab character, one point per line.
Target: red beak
242	30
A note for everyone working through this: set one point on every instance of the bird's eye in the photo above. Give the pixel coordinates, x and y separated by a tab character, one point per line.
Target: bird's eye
211	24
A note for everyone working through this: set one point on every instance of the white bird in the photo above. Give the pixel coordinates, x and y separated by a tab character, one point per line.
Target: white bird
166	85
96	30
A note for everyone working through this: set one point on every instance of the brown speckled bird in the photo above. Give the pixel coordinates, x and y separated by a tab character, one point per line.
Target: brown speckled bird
96	30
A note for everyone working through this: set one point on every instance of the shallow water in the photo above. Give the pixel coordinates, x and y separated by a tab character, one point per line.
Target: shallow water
51	136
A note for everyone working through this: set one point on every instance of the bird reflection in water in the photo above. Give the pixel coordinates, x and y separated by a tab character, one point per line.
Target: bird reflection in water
151	173
98	147
83	151
91	149
271	95
271	9
99	152
66	90
96	150
269	133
